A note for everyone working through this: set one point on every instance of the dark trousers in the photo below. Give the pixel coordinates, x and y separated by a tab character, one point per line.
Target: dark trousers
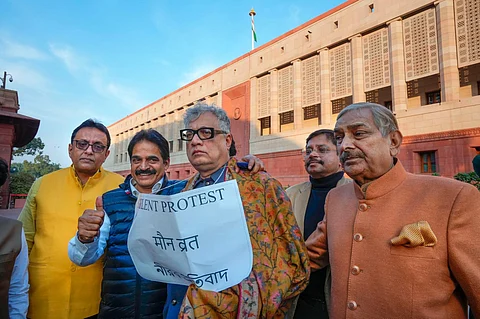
92	317
308	308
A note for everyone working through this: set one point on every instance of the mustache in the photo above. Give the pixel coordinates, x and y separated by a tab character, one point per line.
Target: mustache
349	154
149	171
321	162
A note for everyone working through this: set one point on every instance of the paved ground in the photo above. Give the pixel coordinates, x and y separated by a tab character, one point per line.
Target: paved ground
10	213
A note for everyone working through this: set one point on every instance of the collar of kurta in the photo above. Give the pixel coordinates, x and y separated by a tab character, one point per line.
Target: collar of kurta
93	178
382	185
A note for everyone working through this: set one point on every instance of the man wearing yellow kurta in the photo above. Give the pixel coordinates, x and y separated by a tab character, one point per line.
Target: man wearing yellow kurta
58	289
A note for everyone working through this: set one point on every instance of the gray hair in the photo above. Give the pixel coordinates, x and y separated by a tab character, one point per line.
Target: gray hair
383	117
198	109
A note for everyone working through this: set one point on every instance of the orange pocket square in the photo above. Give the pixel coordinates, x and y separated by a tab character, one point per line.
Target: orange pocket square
416	234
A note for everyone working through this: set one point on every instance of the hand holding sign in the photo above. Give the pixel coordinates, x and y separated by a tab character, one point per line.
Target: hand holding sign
174	238
90	222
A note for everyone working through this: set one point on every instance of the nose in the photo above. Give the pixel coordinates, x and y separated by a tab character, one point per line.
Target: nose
196	140
313	154
143	164
89	149
346	144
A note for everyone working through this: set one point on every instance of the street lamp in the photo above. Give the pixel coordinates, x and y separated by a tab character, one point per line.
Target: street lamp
4	79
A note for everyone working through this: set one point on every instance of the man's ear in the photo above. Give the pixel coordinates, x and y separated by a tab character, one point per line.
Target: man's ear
70	150
395	141
167	164
228	139
107	152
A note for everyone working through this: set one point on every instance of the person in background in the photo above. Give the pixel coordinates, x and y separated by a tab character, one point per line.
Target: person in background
308	201
13	263
476	161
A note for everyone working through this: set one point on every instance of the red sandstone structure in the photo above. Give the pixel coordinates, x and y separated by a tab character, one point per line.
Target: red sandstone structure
420	58
16	130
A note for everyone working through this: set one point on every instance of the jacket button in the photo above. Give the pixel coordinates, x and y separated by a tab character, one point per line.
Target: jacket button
73	268
355	270
174	302
358	237
352	305
362	207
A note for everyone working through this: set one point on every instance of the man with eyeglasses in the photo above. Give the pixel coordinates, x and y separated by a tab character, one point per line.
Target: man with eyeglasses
280	264
308	200
400	245
58	288
103	231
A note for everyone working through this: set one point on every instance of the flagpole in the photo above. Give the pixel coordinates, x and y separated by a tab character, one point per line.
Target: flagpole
252	14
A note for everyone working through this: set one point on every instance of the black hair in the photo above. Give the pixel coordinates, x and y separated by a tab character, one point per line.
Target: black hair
3	171
328	133
95	124
232	151
152	136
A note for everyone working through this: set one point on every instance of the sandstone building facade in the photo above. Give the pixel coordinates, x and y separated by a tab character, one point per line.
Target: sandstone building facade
420	58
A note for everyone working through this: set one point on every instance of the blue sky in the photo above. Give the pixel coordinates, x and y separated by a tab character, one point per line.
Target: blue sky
105	59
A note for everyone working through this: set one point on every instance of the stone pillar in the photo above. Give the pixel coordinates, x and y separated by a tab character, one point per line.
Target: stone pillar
297	94
219	99
447	53
176	130
357	69
131	134
114	146
274	117
397	65
325	99
254	122
7	135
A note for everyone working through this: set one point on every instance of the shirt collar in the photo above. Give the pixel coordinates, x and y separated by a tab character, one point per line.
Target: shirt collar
155	189
216	177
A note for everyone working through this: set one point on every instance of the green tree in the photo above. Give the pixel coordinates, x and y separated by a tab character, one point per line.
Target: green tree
22	175
35	147
40	166
470	178
20	183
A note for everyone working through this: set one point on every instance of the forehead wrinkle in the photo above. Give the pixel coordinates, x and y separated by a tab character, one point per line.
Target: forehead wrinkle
357	125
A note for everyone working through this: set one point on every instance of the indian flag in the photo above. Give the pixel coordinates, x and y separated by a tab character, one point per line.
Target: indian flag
253	31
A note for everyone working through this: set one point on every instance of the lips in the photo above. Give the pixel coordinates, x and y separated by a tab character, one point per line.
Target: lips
314	162
196	152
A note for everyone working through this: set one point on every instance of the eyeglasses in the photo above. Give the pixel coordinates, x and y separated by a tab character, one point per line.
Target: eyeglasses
319	149
84	145
204	133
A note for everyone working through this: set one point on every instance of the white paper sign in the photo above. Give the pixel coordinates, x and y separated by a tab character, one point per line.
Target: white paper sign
199	236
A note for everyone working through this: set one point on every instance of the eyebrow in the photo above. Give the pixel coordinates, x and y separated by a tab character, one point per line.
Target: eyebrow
148	157
317	145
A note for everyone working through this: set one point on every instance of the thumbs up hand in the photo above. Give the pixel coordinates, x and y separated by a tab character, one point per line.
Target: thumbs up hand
90	222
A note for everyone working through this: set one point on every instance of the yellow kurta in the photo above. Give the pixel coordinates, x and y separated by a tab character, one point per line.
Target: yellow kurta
58	288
